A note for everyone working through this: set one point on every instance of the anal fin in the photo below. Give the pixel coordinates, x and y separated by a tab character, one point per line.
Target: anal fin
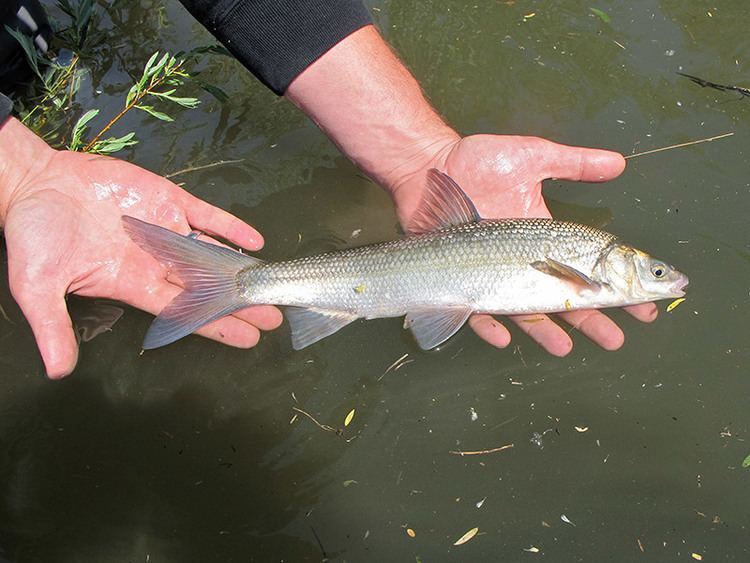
433	327
310	325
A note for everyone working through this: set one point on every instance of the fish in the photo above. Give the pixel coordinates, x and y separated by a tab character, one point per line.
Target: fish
450	264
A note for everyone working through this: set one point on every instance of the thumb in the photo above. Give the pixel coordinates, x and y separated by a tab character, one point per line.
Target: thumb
53	331
581	164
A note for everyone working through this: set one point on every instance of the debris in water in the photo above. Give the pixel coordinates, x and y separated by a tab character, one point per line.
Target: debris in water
466	537
411	533
481	502
395	366
532	549
473	414
581	428
601	15
349	418
566	520
674	304
482	452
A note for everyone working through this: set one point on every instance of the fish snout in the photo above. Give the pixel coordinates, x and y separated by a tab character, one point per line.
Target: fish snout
678	287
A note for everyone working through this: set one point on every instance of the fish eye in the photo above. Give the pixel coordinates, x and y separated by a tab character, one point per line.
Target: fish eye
658	270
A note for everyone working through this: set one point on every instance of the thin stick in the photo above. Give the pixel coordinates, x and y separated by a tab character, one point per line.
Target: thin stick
708	140
203	167
394	364
482	452
311	417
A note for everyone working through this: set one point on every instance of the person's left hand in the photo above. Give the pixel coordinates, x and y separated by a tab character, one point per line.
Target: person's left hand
503	176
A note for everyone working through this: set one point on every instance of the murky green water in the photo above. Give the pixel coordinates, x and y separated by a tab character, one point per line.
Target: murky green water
187	453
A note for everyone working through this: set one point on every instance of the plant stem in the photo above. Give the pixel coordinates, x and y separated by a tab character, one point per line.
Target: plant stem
153	84
52	92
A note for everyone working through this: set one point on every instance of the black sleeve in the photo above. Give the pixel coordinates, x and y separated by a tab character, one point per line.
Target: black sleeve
278	39
6	106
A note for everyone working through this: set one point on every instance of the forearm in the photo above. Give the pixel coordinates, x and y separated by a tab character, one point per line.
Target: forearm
370	105
20	152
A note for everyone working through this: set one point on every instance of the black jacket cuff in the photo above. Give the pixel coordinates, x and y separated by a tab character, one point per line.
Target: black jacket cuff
278	39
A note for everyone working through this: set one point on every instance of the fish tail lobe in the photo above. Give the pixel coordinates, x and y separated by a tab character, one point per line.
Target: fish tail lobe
208	272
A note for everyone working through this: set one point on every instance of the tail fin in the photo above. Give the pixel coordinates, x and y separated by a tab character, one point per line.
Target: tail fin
208	271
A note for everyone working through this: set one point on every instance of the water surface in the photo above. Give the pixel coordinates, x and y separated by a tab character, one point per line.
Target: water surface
187	453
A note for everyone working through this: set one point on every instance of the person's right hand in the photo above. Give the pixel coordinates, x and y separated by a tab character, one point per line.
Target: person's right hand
61	212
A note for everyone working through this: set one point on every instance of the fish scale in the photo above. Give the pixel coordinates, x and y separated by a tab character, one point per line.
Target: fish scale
485	264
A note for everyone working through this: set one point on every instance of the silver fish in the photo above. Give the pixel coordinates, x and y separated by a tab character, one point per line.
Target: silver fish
450	264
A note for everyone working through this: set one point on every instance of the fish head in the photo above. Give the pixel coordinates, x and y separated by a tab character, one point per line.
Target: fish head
640	276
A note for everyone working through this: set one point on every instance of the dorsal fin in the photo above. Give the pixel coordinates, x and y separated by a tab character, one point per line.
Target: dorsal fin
444	204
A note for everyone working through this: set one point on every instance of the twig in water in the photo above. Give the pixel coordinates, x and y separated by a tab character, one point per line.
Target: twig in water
202	167
5	315
318	424
320	544
396	365
707	140
482	452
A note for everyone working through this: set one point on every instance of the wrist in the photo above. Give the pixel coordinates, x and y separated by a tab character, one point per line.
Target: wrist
369	104
21	151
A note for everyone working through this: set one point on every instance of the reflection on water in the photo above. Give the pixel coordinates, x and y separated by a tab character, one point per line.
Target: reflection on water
192	452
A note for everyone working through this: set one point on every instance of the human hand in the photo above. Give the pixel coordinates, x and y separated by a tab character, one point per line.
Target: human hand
503	177
61	214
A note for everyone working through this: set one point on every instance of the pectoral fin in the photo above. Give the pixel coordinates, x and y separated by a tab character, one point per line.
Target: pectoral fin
567	273
310	325
431	328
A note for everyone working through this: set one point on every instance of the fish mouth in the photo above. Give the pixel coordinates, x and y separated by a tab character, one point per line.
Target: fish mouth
678	288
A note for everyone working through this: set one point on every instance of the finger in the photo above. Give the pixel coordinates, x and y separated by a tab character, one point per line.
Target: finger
205	217
53	331
580	164
490	330
265	317
645	312
545	332
598	327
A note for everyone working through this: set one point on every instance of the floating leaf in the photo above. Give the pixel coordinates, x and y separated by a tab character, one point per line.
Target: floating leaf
602	15
674	304
349	418
350	482
697	556
466	537
746	462
411	533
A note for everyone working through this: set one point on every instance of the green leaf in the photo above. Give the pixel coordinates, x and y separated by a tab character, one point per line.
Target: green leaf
184	102
114	144
157	114
601	14
29	49
150	63
80	127
746	462
132	93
